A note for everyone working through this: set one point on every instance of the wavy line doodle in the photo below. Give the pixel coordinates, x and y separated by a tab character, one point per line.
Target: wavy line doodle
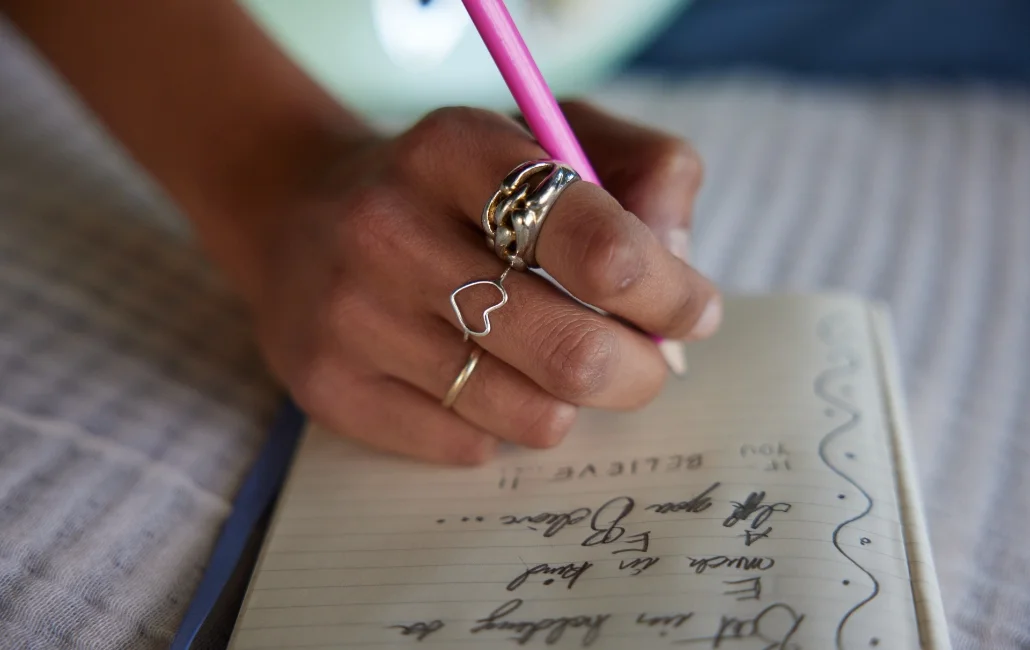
830	334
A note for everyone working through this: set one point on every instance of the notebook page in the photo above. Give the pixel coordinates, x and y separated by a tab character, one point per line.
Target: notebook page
753	505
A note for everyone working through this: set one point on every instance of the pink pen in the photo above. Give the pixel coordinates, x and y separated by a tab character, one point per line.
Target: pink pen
541	111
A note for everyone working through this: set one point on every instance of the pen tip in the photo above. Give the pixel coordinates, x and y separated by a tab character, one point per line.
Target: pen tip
675	356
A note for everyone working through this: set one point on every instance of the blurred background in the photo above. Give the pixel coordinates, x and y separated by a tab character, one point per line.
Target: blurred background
941	40
402	57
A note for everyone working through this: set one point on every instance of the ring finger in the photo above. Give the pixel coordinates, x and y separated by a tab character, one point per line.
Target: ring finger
496	397
570	351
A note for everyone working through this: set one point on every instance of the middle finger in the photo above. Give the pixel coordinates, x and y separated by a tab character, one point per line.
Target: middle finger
573	352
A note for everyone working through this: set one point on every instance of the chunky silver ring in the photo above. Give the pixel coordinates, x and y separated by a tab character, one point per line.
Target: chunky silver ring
514	215
462	378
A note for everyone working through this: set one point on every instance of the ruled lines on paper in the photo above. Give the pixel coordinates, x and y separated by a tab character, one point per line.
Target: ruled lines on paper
770	522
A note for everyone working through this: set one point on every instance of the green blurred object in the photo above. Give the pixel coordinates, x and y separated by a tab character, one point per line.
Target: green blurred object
400	58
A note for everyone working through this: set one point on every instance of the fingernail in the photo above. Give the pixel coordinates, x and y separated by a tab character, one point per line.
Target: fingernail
710	319
678	241
675	356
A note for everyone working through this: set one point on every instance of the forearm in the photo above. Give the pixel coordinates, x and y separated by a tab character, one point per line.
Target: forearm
201	98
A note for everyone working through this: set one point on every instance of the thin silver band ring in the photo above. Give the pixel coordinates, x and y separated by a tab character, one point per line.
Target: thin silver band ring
462	378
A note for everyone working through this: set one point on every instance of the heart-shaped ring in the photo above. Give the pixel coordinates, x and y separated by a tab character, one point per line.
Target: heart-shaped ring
499	285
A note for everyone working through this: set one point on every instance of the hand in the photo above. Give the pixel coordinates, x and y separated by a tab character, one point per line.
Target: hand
353	313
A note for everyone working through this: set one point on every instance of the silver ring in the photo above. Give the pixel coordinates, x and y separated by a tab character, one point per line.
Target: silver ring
514	215
497	284
462	378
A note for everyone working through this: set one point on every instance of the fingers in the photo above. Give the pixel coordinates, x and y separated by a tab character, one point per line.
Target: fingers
592	246
459	156
390	416
572	352
496	398
653	174
608	258
384	346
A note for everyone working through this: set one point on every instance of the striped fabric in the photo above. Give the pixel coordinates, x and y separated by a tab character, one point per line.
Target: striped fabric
920	198
131	400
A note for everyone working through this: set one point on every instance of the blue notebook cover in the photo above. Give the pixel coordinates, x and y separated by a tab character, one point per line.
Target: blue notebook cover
225	577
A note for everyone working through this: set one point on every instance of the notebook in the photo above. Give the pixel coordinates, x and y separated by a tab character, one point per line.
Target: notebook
766	501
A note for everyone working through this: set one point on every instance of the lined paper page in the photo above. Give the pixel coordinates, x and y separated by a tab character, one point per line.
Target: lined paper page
753	505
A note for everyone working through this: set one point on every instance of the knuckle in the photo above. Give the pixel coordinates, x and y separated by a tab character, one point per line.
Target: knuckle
582	360
574	108
332	354
446	120
347	310
375	222
675	161
419	147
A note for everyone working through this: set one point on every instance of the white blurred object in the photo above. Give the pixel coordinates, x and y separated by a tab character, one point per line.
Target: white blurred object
399	58
417	35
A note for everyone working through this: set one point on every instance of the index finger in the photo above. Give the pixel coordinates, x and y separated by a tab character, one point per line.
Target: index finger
608	258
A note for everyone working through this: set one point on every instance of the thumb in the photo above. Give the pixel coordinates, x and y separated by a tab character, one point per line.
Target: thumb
654	175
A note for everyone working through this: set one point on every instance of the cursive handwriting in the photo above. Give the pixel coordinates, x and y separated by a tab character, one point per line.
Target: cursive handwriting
773	627
743	563
753	505
570	572
605	522
752	536
700	503
664	621
419	630
555	521
638	565
524	631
